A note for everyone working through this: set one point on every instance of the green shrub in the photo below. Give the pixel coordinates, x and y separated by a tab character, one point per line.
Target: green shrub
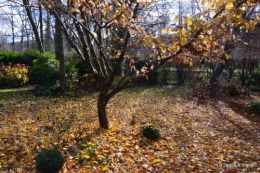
74	64
82	69
13	76
28	56
71	61
25	57
44	70
52	89
72	72
254	80
49	161
7	57
151	132
253	107
45	73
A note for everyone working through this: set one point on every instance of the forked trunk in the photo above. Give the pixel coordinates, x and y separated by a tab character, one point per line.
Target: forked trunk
102	115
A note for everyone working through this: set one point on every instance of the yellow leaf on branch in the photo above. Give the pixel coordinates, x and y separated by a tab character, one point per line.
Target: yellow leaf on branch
219	3
229	16
165	31
183	41
72	10
203	2
229	6
247	26
188	21
227	56
146	76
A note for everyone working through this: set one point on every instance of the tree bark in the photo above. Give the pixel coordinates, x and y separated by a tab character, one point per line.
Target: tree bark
102	115
13	34
59	50
35	30
41	26
48	40
229	46
217	73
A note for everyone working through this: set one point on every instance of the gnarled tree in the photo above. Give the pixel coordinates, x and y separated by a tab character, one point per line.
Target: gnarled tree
96	24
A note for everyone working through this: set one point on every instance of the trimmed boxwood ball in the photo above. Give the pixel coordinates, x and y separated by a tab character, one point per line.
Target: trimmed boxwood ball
49	161
151	132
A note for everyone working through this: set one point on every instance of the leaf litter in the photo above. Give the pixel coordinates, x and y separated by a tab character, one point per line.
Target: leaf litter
208	137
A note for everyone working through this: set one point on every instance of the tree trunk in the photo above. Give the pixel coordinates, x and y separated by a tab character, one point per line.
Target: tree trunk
34	27
180	74
102	115
59	51
41	26
13	34
217	73
21	42
48	39
229	45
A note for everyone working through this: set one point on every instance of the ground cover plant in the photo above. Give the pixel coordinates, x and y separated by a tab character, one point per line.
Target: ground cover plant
212	135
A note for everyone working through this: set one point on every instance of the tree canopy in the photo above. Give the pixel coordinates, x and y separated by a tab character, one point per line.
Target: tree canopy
96	25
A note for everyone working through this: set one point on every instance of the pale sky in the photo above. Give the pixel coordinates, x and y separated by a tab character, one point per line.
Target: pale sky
6	11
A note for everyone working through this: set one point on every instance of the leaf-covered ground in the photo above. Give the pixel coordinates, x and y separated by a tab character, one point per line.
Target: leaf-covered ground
210	136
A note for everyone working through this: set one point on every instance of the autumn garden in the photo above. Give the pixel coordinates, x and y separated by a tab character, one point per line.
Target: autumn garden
129	86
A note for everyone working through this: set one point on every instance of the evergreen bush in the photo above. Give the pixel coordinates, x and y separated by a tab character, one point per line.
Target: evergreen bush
151	132
7	57
49	161
44	70
253	107
45	73
25	57
254	80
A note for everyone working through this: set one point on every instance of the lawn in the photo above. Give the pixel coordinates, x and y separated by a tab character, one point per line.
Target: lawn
213	135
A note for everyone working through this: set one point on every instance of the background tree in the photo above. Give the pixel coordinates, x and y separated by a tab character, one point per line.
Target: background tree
48	41
38	36
59	50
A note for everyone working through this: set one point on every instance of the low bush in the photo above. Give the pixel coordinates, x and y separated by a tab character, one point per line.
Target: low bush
254	80
7	57
26	57
253	107
151	132
44	70
72	60
13	75
49	89
49	161
45	73
74	65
